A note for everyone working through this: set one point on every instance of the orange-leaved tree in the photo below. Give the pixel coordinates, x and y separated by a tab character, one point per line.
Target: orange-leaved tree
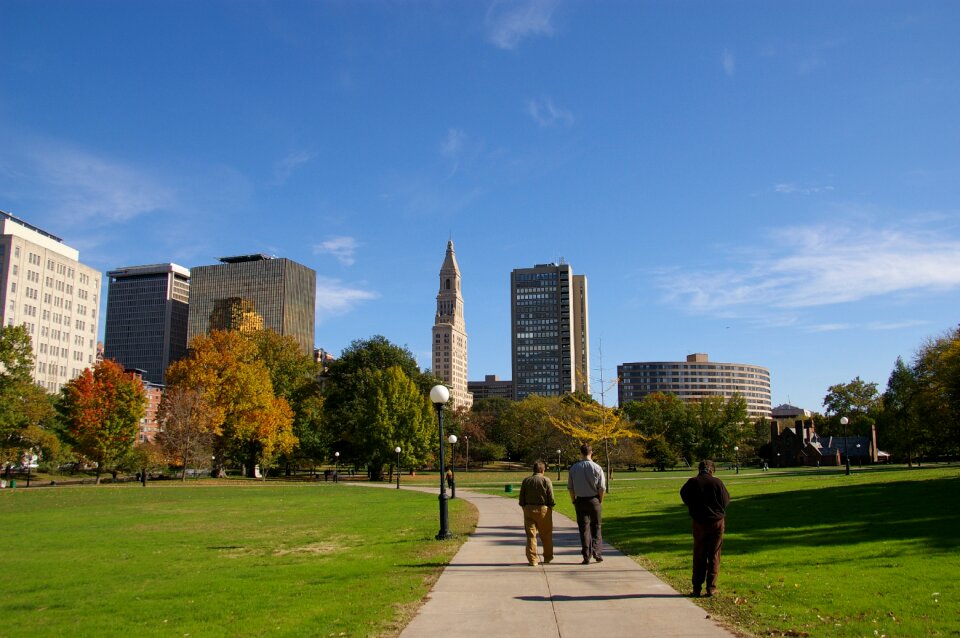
101	410
247	421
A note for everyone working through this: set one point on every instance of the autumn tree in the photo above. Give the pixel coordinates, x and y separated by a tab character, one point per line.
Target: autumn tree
188	423
590	422
248	422
101	411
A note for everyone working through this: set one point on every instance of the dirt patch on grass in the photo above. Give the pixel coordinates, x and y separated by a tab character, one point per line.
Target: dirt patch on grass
314	548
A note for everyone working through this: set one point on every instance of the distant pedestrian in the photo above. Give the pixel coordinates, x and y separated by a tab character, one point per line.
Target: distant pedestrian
586	485
452	483
536	499
707	498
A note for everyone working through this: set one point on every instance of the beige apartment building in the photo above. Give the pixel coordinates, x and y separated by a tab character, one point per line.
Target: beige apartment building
44	287
450	333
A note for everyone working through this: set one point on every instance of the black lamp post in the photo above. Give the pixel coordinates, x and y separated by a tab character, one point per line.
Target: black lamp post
466	457
336	467
859	458
438	396
736	454
558	464
846	441
398	450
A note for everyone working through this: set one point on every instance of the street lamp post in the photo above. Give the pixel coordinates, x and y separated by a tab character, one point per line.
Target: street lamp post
398	450
558	464
438	396
736	453
453	465
466	457
336	467
846	441
859	458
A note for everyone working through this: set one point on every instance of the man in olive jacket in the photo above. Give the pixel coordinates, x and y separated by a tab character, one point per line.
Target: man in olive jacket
707	498
536	499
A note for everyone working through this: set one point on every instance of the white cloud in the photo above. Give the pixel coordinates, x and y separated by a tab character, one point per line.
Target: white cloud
84	187
284	168
343	248
336	298
789	188
822	265
729	62
545	113
508	23
452	144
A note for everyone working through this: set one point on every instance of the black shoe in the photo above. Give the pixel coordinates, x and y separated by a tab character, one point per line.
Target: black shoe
585	561
709	594
598	558
695	593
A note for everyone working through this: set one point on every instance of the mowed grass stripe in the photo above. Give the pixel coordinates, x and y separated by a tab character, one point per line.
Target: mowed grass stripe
219	561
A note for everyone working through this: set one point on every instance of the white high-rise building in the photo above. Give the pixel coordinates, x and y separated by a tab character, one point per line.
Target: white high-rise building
450	333
44	287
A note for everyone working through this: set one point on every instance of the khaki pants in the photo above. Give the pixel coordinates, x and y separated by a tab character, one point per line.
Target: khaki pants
538	518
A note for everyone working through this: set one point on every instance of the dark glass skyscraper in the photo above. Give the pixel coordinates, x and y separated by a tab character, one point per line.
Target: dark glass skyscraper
250	292
147	317
550	331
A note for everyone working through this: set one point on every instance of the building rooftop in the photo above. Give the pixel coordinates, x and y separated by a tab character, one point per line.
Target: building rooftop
239	259
6	215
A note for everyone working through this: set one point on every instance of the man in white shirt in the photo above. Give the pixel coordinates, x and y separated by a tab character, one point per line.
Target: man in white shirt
586	484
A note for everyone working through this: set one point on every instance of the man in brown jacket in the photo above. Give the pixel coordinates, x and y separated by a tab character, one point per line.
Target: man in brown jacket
707	498
536	499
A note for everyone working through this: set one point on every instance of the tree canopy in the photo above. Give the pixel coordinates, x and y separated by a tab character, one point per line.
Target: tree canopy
101	411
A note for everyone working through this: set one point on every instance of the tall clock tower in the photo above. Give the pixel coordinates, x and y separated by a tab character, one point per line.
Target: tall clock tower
450	333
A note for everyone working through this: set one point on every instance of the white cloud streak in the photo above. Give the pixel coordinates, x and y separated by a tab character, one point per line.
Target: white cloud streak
509	23
729	62
284	168
822	265
86	188
789	188
335	298
343	248
547	114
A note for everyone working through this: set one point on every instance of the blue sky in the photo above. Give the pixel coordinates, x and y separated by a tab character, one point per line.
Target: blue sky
773	183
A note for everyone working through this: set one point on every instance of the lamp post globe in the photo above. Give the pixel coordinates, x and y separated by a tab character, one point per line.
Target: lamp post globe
398	450
439	394
846	441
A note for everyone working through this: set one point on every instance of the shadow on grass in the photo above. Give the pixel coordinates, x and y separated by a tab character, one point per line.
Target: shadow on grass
924	511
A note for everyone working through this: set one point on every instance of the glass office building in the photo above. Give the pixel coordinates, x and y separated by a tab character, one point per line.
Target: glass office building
147	310
254	291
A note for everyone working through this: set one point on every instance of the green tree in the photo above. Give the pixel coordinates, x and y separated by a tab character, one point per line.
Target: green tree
294	377
23	405
666	420
101	411
390	412
350	385
901	425
937	371
857	400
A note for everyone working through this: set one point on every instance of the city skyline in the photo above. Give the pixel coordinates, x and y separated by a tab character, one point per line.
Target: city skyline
772	185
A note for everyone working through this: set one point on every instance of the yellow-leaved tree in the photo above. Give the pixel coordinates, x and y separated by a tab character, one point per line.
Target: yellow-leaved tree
247	421
582	418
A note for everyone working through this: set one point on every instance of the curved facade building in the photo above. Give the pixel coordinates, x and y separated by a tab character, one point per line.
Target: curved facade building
695	379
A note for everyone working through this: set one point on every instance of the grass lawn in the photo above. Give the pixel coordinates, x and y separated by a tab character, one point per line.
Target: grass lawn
210	560
811	553
807	552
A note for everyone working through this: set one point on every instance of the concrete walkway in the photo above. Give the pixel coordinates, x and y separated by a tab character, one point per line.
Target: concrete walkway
489	590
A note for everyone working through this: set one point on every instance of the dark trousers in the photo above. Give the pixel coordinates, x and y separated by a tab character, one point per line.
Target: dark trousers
707	544
589	513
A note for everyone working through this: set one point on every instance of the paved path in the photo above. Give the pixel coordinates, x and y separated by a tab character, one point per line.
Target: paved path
489	590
